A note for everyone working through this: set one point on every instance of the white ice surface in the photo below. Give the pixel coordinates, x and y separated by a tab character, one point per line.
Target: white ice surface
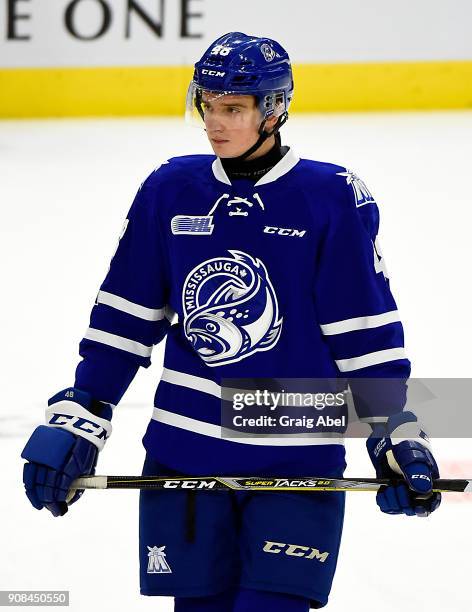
65	188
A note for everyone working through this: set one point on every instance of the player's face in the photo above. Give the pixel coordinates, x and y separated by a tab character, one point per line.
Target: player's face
232	123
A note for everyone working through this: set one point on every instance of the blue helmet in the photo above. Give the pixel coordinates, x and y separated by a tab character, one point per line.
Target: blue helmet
240	64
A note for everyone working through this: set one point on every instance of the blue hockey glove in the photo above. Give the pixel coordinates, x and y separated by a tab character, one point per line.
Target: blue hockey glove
400	447
64	449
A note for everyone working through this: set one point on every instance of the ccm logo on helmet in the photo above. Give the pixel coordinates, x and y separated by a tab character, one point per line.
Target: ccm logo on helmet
294	550
213	72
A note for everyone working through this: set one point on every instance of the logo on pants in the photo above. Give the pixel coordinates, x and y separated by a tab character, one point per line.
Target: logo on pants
295	550
157	562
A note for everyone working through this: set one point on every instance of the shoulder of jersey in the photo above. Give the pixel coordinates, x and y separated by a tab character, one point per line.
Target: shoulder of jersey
324	177
341	191
181	168
323	171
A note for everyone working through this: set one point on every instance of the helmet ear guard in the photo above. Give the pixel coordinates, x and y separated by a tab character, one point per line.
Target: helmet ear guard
274	103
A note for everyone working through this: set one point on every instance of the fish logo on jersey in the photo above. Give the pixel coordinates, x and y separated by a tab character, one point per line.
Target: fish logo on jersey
361	192
157	562
230	309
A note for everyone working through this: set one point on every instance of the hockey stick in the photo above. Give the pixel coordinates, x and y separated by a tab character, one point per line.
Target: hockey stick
256	483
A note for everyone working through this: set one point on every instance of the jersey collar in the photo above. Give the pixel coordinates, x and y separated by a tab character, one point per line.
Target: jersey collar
288	161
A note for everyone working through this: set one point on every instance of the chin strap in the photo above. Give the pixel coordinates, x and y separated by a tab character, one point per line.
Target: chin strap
263	136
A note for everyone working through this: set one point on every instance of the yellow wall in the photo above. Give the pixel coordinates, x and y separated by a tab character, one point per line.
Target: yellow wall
160	90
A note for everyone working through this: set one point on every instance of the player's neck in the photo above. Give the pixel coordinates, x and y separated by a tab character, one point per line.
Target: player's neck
254	169
267	145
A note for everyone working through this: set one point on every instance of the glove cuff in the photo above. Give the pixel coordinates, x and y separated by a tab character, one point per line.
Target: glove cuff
398	443
70	410
404	427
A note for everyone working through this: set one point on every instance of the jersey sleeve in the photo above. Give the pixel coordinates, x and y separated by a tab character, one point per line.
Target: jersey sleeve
358	315
130	315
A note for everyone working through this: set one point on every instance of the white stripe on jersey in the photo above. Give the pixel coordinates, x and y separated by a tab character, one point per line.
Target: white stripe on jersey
374	420
205	385
363	361
125	344
215	431
341	327
192	382
115	301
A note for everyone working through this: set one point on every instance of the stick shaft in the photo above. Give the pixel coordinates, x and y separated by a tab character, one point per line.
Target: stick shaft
255	483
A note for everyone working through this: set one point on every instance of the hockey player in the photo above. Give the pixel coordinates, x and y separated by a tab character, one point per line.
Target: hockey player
271	265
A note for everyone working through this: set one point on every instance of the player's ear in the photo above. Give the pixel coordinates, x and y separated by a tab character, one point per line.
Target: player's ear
270	123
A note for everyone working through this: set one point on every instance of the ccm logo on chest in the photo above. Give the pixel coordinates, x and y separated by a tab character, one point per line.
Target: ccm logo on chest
295	550
284	231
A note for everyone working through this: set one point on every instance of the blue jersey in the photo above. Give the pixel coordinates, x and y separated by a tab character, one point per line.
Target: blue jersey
279	278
